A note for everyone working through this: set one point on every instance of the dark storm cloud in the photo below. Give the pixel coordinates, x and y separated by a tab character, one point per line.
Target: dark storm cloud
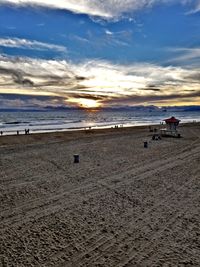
28	97
26	78
194	77
138	99
11	72
152	89
17	76
88	96
30	101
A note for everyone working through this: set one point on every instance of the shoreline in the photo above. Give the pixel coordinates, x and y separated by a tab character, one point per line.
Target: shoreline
79	125
62	136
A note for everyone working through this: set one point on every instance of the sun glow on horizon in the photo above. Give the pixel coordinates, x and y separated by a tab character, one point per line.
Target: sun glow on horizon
85	103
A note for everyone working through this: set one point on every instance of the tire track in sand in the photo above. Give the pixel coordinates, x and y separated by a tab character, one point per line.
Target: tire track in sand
146	248
145	214
139	173
121	239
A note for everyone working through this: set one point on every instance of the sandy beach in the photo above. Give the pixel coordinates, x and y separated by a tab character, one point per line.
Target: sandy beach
122	205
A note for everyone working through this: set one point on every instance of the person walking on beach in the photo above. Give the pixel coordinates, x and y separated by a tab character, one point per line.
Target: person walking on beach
26	131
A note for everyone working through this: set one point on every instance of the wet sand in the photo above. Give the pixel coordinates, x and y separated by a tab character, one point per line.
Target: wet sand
122	205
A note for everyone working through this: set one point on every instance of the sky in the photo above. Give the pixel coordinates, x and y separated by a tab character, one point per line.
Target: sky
99	53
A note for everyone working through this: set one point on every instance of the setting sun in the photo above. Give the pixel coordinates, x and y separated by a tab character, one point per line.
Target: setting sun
88	103
85	102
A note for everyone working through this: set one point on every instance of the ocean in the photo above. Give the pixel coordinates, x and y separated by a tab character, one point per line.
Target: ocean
52	121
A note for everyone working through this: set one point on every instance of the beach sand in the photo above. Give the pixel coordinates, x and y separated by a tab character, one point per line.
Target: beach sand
122	205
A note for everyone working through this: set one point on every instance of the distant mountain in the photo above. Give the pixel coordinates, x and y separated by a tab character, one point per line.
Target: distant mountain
181	108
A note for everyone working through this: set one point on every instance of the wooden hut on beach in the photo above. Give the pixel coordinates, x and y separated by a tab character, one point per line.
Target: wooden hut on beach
171	127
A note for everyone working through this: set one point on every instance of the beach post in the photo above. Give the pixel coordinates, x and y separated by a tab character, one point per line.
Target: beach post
76	158
145	144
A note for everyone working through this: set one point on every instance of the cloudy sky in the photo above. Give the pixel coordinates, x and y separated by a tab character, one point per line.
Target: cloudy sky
92	53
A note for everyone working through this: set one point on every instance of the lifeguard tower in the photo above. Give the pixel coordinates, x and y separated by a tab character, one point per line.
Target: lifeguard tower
171	127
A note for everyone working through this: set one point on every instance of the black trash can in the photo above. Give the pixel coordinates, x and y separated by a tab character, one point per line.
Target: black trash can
76	158
145	144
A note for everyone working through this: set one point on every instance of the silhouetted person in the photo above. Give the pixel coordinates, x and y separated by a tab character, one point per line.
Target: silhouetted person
17	132
26	131
1	132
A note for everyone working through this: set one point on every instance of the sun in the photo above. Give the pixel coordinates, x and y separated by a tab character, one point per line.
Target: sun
85	103
88	103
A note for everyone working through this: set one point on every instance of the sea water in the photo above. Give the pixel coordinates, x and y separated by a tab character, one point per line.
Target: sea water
52	121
